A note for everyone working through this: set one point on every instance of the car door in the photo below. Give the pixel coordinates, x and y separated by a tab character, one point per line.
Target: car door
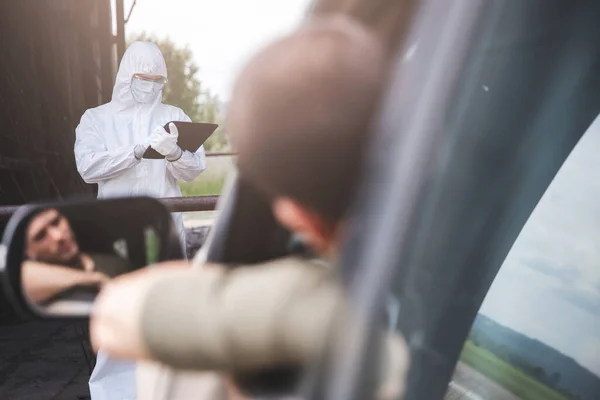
490	98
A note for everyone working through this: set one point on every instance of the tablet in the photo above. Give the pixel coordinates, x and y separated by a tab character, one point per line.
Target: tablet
191	136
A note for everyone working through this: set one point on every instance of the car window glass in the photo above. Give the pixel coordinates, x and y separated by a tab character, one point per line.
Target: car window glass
537	333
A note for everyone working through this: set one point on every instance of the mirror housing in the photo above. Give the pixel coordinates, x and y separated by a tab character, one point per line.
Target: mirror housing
55	257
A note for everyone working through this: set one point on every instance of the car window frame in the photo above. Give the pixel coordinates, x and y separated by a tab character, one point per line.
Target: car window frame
418	254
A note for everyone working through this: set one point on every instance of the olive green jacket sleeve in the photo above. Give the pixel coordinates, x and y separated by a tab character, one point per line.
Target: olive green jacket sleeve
253	317
245	318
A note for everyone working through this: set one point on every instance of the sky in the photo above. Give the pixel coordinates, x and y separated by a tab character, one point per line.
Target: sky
222	34
549	285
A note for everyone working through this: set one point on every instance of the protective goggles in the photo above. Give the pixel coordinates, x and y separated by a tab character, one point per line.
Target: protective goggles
150	78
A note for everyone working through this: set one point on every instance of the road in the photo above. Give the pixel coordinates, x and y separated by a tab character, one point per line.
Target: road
468	384
43	360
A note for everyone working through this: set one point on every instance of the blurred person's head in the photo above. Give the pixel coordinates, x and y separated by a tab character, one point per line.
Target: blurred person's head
50	239
300	117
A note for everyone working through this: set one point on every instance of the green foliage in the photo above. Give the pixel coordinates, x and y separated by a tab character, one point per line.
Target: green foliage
210	112
184	89
507	376
203	187
152	246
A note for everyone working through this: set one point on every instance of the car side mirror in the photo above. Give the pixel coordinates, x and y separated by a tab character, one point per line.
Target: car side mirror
54	258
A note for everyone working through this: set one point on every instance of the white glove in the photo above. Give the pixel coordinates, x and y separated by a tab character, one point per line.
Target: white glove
164	142
140	149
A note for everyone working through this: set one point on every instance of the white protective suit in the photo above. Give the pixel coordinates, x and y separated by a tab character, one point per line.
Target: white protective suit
104	153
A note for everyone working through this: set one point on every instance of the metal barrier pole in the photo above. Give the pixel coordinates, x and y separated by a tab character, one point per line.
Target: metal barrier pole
220	153
191	203
174	204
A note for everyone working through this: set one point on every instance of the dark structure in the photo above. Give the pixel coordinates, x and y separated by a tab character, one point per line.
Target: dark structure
58	59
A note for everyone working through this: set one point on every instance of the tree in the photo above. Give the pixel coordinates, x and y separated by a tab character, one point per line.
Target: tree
184	89
211	111
539	374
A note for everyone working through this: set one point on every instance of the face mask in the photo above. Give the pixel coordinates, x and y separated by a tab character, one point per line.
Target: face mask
144	91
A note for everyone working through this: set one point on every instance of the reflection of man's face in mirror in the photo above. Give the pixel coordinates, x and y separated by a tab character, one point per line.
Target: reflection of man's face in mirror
50	238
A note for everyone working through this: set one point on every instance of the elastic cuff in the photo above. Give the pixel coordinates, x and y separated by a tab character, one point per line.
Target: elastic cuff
138	152
176	155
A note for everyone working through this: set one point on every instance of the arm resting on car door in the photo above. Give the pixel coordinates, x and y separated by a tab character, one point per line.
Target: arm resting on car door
42	281
246	318
281	313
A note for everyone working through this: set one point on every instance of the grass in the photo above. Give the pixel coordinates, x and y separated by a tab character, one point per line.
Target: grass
507	376
211	181
152	246
202	187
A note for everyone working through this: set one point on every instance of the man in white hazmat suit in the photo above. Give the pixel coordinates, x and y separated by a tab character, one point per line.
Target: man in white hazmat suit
110	142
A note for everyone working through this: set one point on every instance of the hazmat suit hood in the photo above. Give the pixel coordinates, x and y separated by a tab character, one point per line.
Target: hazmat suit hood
139	58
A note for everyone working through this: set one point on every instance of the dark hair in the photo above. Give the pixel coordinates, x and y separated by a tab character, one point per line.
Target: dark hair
301	111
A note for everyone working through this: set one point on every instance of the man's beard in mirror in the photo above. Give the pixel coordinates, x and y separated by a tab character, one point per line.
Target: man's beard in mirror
74	262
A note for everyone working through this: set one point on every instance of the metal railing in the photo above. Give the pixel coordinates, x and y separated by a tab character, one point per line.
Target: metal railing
220	153
174	204
190	203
